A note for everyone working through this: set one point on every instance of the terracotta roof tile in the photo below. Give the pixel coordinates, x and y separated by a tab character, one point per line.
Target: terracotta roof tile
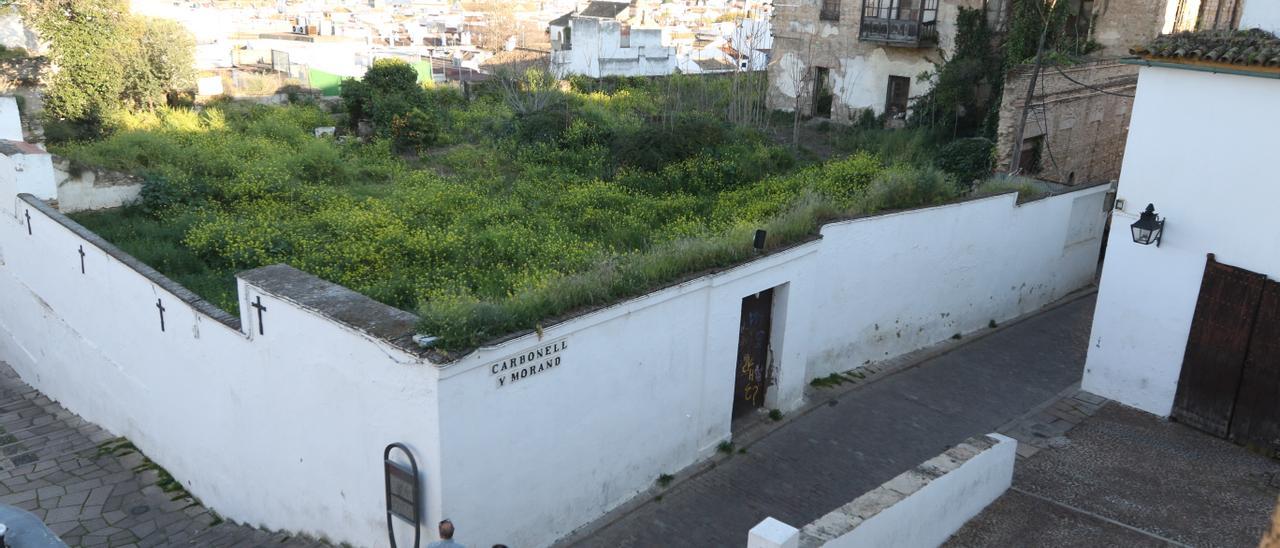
1253	47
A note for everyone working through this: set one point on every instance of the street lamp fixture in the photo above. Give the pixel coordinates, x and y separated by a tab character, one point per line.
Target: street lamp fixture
1149	228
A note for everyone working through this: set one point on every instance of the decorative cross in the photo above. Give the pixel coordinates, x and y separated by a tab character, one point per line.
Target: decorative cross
28	222
258	305
160	306
82	259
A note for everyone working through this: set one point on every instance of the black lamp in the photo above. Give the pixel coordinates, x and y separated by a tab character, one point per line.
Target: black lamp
1149	228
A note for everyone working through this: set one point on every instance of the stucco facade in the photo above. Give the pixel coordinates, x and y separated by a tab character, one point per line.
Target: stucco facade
1148	294
598	47
858	70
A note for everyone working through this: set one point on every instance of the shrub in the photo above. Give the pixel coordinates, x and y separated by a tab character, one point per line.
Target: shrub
414	131
968	160
901	187
1027	189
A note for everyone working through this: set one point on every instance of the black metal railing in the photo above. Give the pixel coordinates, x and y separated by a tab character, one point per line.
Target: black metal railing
900	22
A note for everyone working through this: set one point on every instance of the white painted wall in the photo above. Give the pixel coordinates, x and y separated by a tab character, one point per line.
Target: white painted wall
283	430
930	514
34	174
1212	177
1264	14
10	119
88	189
645	387
895	283
597	50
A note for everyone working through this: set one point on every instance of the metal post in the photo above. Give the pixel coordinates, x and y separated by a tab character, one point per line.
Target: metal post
1031	91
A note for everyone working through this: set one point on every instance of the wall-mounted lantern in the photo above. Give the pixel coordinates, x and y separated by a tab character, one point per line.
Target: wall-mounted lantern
1149	228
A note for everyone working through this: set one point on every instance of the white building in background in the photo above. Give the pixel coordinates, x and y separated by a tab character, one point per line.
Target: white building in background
1188	326
598	41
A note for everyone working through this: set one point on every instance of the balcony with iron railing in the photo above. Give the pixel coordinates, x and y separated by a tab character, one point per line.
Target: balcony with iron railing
904	23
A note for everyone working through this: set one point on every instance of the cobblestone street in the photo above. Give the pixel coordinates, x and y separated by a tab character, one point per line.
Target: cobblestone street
93	489
1014	378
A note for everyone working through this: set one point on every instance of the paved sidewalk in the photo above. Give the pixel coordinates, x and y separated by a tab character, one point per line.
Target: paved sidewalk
868	435
95	490
1127	478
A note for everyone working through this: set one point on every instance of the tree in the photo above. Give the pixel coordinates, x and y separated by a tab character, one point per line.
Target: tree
107	59
167	52
391	75
500	23
86	43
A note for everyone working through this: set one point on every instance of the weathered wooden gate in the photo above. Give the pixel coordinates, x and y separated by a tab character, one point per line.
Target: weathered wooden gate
752	377
1230	380
1256	419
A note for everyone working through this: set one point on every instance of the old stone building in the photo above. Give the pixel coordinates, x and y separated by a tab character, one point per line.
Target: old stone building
836	58
1078	120
1077	124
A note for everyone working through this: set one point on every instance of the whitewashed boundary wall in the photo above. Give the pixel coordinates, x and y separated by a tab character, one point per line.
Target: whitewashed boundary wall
83	188
920	507
645	387
890	284
281	428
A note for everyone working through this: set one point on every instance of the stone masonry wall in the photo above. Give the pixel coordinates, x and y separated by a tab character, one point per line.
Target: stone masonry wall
1084	130
1121	24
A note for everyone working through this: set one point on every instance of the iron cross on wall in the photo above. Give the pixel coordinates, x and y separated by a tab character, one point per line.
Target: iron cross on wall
261	308
160	307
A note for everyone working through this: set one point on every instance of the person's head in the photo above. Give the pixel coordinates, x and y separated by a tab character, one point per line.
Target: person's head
446	530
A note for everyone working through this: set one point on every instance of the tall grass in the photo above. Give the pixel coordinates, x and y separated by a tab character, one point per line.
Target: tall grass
463	322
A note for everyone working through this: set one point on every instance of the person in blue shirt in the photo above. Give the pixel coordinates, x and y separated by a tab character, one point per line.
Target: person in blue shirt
446	537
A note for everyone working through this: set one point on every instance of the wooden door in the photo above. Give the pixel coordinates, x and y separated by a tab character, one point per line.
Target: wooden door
898	95
752	376
1256	419
1217	346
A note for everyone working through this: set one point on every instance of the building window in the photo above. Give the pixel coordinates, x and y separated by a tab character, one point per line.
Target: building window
897	96
830	10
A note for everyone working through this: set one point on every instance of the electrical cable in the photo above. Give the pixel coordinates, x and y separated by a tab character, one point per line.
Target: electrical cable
1094	88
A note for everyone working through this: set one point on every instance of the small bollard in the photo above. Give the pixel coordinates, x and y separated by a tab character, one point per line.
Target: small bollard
772	533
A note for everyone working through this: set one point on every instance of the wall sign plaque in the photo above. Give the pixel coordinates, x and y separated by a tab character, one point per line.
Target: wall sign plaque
404	498
518	367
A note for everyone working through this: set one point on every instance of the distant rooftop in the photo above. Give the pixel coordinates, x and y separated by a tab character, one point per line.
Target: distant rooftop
606	10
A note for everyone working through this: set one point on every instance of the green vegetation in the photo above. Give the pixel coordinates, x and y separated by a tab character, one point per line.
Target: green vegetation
489	216
1028	189
107	60
665	480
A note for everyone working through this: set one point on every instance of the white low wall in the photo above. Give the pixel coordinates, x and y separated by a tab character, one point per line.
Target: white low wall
284	428
890	284
645	387
82	188
921	507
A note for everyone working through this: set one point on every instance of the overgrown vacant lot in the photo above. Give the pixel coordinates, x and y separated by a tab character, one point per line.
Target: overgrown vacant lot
521	208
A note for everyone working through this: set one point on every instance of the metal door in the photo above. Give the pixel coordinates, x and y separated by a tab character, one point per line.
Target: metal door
752	376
